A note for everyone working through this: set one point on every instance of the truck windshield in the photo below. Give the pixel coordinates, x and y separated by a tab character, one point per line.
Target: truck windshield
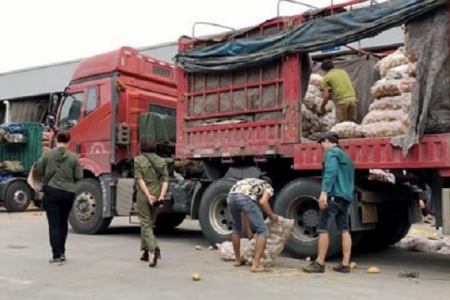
70	111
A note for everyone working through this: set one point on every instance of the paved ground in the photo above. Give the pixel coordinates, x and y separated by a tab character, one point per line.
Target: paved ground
107	267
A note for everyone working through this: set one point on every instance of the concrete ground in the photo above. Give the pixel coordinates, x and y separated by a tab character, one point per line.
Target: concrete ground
108	267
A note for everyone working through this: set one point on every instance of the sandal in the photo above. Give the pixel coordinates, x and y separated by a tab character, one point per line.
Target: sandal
260	269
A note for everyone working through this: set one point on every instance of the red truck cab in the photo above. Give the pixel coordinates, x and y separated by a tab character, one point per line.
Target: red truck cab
100	108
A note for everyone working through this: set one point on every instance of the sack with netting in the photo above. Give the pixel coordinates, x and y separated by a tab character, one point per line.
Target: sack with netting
279	233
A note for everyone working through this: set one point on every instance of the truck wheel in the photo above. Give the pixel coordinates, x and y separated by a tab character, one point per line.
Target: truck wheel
86	216
394	231
298	201
215	218
18	196
386	234
166	222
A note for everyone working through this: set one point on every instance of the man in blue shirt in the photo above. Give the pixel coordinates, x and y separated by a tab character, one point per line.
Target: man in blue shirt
338	184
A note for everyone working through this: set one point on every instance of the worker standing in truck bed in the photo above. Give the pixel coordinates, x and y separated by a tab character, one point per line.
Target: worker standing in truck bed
338	82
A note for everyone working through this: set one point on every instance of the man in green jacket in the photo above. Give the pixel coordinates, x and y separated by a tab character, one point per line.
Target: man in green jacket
338	186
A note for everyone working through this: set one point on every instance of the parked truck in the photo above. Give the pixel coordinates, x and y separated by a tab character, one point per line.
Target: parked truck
21	144
216	127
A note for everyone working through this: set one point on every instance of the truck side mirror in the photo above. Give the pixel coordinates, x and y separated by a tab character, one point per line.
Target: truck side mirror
55	99
50	121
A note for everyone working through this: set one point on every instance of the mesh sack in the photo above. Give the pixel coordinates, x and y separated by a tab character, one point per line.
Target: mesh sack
226	250
384	129
376	116
279	233
406	86
401	72
316	80
391	103
348	130
393	60
385	88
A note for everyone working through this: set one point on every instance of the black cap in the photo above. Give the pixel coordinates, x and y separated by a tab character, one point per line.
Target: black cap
331	136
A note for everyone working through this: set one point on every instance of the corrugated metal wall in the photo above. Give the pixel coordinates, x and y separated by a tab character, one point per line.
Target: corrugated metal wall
52	78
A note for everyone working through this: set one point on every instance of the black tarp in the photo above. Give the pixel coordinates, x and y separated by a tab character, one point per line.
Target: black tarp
428	38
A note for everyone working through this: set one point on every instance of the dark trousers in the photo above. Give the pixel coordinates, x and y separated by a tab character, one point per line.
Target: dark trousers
58	204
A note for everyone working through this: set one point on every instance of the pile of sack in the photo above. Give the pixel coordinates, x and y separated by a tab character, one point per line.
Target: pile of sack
314	125
420	241
381	175
388	113
279	233
11	166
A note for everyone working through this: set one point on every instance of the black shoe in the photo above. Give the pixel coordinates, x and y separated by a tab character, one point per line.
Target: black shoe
314	267
341	268
63	257
145	256
156	256
56	261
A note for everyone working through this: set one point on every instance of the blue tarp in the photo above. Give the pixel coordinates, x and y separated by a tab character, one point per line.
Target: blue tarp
308	37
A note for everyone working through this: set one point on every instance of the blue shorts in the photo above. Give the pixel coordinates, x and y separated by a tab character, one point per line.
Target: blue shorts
238	203
337	211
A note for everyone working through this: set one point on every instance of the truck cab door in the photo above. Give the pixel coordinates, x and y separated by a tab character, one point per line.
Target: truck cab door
70	115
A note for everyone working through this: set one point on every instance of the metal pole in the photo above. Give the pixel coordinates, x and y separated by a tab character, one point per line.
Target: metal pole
210	24
445	211
294	2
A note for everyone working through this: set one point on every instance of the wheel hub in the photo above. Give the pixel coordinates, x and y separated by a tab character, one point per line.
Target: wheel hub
305	212
310	218
20	197
84	206
220	216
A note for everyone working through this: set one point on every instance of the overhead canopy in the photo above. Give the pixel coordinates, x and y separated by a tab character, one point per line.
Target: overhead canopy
308	37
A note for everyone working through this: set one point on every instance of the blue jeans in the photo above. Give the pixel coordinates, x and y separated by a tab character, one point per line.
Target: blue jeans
337	211
238	203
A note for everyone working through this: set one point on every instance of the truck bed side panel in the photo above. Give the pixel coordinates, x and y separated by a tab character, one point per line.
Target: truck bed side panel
249	111
433	151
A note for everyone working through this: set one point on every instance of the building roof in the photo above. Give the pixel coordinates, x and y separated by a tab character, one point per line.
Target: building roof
55	77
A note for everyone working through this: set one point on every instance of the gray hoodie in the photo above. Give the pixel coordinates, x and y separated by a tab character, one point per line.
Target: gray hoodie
60	169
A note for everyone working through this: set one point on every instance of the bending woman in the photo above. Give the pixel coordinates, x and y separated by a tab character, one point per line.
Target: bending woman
152	180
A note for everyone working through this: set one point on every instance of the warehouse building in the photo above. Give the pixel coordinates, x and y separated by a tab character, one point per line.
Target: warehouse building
24	93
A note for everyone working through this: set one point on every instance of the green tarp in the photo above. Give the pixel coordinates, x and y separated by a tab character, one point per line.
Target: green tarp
162	127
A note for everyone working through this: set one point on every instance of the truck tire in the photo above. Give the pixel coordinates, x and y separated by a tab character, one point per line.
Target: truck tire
168	221
298	201
394	229
18	196
215	219
86	215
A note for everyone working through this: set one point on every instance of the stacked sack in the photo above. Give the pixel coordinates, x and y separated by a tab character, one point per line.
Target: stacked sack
388	114
314	125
